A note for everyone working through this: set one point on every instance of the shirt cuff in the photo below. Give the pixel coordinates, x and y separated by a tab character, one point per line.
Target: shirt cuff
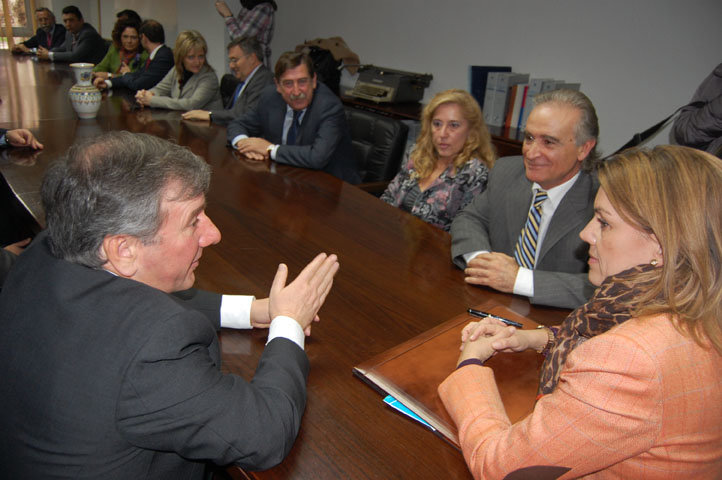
469	256
524	283
236	311
273	152
235	140
470	361
286	327
50	56
108	83
3	141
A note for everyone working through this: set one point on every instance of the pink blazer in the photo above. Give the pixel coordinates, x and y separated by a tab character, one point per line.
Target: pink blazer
640	401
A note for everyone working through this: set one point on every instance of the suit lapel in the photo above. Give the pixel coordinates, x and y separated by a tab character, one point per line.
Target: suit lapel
518	206
305	121
276	117
567	215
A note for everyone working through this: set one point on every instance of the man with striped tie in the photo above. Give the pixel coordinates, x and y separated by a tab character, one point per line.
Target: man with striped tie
521	235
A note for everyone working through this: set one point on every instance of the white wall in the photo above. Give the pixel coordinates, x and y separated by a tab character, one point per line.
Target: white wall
636	59
202	16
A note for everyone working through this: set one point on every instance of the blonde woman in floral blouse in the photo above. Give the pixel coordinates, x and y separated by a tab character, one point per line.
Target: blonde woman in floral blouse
449	164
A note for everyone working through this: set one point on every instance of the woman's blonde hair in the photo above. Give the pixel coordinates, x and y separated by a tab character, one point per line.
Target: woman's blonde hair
676	194
478	142
188	40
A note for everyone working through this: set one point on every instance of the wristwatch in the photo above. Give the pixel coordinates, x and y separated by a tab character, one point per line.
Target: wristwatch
550	340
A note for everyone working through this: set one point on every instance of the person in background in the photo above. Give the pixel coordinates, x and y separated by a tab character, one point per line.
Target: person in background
521	234
245	58
449	165
630	386
255	19
49	34
125	55
191	84
300	122
82	42
128	14
108	375
700	126
157	65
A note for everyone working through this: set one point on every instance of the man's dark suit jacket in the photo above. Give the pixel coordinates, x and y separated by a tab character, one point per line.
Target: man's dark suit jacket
494	219
323	141
147	77
41	38
105	377
248	99
90	47
7	259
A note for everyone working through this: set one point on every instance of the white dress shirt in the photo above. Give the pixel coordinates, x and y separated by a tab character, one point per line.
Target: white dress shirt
236	313
524	282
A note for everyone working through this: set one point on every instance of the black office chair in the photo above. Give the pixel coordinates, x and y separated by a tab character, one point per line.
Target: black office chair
228	87
378	145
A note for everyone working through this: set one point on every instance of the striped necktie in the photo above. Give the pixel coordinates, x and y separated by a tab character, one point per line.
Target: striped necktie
525	252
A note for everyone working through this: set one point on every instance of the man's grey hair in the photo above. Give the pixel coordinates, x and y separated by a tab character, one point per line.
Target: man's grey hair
588	126
249	45
45	9
114	184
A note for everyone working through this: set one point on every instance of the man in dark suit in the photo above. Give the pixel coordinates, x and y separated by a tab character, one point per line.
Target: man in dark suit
106	375
82	43
160	61
521	234
245	56
300	122
49	35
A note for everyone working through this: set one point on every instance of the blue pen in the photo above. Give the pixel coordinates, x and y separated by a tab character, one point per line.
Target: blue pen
480	314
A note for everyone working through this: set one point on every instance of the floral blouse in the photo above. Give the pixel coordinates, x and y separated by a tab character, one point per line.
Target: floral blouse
449	193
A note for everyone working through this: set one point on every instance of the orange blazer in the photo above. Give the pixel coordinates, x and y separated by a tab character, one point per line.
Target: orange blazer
640	401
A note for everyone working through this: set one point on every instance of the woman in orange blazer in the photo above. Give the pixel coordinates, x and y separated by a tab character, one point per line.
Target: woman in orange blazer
631	384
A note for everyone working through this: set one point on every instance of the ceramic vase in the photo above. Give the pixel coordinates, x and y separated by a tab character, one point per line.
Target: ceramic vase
84	97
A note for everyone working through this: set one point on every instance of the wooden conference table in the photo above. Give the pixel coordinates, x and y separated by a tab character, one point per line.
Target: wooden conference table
396	278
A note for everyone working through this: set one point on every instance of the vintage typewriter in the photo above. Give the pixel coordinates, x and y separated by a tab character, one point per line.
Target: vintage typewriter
389	86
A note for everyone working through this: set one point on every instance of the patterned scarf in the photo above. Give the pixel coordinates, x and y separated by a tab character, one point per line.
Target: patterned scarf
128	58
608	307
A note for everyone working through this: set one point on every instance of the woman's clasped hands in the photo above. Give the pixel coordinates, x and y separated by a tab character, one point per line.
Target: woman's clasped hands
488	336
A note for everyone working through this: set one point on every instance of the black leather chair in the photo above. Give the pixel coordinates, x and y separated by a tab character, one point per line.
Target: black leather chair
228	87
378	145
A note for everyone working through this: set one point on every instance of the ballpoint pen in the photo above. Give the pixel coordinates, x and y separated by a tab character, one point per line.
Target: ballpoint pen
480	314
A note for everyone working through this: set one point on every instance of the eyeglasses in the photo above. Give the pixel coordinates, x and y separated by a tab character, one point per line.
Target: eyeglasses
302	82
233	60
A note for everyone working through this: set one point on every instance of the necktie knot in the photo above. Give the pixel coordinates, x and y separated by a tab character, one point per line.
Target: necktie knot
539	197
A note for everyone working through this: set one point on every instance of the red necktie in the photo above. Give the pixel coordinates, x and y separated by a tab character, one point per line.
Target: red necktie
147	62
50	40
